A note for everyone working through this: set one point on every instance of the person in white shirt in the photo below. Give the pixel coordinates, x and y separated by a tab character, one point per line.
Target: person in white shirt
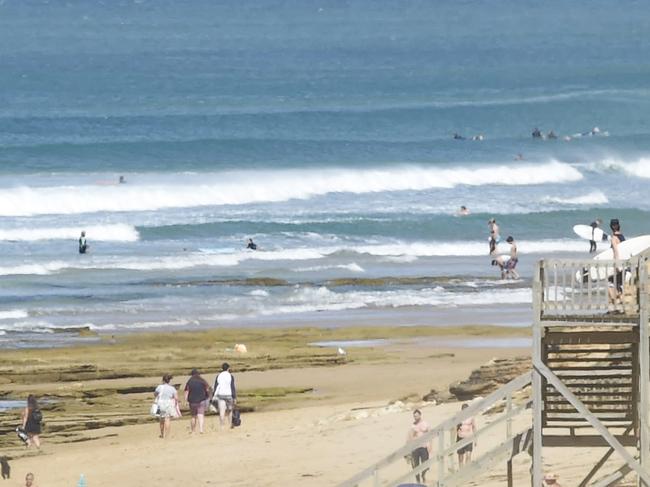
167	400
225	395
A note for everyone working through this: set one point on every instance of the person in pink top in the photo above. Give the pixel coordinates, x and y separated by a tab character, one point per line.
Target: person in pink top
464	430
421	453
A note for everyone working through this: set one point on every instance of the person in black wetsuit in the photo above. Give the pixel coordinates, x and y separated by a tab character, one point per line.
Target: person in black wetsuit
615	287
251	245
83	243
592	243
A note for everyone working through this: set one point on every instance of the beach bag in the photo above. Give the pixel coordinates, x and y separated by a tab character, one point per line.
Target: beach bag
155	410
236	418
22	434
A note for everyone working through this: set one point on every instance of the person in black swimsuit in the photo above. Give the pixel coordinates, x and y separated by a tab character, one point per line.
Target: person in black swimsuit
592	243
615	288
32	418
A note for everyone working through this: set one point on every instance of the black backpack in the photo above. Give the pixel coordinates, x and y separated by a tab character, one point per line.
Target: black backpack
37	415
236	418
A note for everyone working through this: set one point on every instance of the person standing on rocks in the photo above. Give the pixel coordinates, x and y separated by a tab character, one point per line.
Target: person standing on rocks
421	454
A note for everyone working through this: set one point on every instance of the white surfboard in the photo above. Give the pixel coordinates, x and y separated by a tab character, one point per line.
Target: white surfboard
584	231
627	249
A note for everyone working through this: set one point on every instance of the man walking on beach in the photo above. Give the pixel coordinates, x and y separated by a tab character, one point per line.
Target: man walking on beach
421	453
225	394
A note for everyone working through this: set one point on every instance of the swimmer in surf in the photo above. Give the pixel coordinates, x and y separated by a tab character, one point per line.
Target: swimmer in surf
494	235
251	245
83	243
511	263
463	211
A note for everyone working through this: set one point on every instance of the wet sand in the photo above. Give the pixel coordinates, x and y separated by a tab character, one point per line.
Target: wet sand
296	399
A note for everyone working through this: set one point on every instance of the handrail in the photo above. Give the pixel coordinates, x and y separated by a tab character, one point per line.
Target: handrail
473	409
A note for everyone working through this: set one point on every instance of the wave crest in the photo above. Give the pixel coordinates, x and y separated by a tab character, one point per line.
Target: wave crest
235	188
109	233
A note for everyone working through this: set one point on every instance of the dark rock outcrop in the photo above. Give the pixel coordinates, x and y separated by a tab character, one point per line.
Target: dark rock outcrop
489	377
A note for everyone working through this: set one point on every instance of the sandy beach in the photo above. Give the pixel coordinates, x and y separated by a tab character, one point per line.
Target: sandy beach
315	422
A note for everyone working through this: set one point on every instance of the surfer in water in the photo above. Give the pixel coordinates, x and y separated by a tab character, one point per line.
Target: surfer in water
83	243
592	243
463	211
494	235
251	245
615	287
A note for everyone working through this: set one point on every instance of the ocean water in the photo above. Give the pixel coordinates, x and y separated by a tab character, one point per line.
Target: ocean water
322	130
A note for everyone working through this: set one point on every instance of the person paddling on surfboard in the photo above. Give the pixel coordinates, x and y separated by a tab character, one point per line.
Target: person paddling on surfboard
615	286
592	243
83	244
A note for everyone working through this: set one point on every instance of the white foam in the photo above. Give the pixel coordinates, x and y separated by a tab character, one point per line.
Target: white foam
402	251
304	300
353	267
639	168
109	233
593	198
232	188
14	314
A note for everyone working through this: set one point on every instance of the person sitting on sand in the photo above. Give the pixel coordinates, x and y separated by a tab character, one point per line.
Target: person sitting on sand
197	392
167	401
32	418
465	429
421	453
225	395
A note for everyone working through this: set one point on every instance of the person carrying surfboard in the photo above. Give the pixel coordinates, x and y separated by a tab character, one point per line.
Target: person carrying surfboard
615	287
592	243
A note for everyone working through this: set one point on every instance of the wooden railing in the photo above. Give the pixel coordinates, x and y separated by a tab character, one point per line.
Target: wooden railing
600	290
444	444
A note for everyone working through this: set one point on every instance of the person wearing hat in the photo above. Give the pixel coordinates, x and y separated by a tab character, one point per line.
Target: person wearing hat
197	393
225	395
167	401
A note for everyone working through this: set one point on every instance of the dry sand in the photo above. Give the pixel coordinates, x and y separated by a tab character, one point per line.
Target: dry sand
319	439
316	438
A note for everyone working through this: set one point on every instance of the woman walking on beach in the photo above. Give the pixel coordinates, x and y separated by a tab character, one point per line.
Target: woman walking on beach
197	393
167	401
31	421
225	394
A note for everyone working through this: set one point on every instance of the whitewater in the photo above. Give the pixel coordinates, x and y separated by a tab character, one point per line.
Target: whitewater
343	140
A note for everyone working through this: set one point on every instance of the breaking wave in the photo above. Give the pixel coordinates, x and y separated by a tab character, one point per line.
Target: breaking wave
233	188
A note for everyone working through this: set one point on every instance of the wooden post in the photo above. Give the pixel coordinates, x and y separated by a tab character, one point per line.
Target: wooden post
441	458
537	470
643	289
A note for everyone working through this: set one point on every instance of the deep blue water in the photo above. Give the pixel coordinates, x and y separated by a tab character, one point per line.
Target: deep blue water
323	131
